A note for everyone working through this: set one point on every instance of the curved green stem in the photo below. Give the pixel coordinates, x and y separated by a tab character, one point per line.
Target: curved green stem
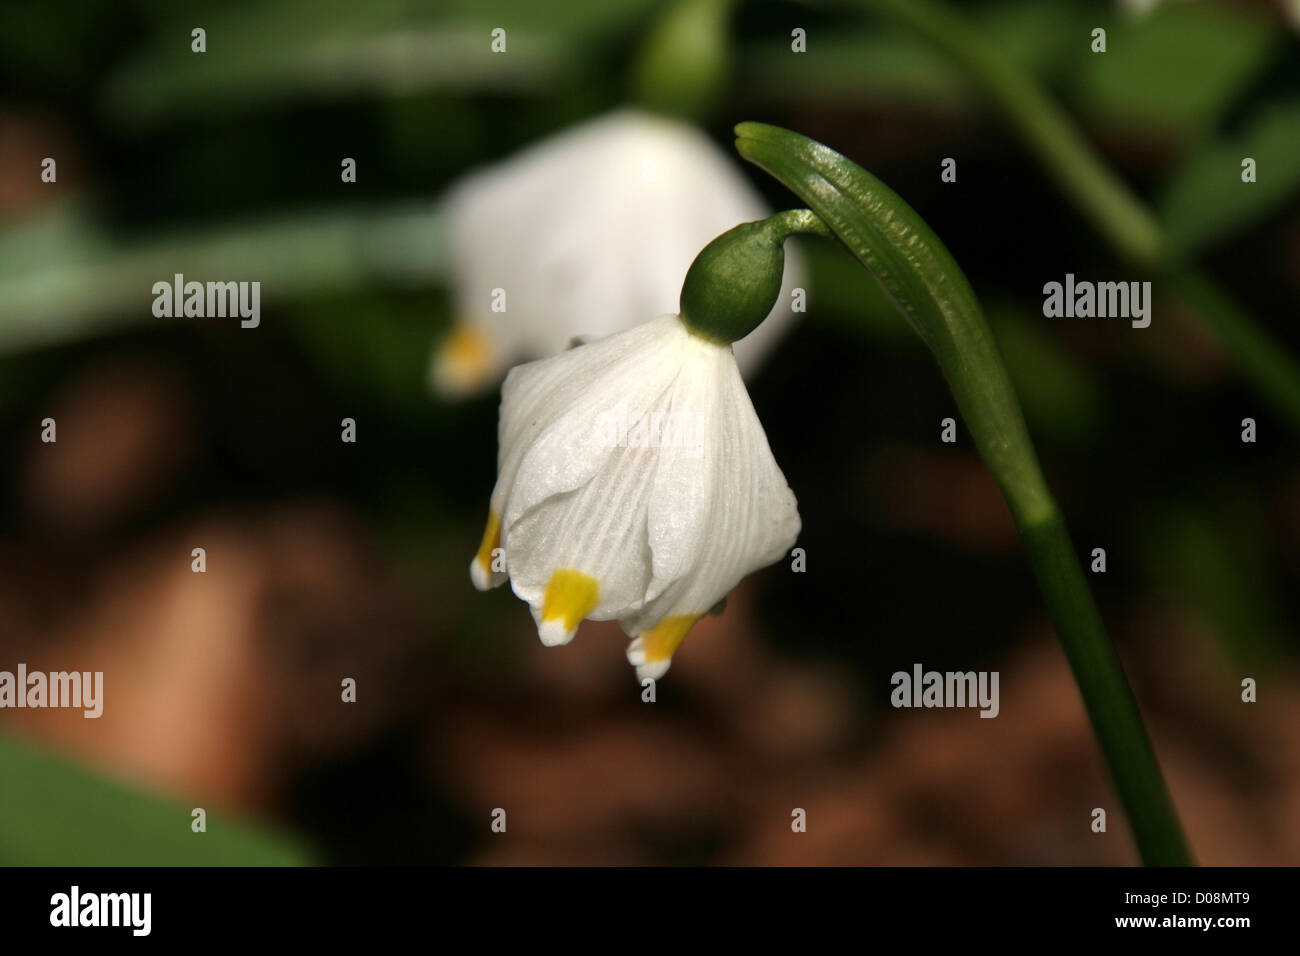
925	282
799	222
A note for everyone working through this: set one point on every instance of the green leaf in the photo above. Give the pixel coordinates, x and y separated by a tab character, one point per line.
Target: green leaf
845	301
55	813
925	283
1206	201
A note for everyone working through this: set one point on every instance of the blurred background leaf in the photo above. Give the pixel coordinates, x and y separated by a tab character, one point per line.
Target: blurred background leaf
59	814
283	50
1174	71
1204	556
1205	200
62	278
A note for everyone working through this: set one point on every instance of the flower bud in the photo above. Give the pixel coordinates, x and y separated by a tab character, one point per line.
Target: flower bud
734	282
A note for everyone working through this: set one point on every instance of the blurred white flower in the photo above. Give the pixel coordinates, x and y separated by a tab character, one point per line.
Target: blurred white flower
651	525
576	234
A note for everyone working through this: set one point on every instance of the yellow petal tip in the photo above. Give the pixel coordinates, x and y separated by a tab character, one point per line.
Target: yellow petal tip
570	596
651	652
464	361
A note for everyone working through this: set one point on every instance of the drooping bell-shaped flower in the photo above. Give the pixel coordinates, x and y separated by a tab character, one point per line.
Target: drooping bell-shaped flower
583	235
635	481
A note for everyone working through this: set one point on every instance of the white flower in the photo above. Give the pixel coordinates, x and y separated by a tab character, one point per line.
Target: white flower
570	237
650	524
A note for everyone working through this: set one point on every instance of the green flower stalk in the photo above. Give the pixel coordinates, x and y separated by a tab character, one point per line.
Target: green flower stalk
683	65
925	282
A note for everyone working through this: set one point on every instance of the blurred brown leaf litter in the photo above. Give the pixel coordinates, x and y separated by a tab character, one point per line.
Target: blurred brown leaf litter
938	787
222	684
219	686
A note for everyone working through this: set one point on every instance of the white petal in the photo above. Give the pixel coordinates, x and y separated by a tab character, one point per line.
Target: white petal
717	517
635	482
537	394
552	633
575	498
482	578
599	529
646	669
